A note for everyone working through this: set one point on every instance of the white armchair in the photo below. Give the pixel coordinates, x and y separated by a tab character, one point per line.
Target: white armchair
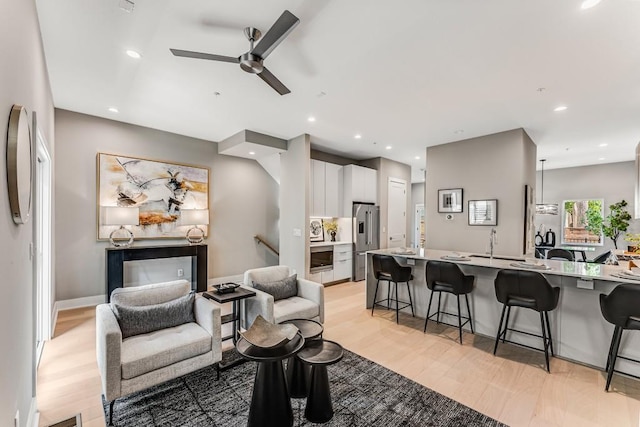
307	304
141	361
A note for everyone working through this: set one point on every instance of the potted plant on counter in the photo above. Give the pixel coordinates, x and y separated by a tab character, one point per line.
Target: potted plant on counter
331	227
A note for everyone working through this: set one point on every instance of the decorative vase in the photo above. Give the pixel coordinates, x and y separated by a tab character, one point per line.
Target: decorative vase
333	236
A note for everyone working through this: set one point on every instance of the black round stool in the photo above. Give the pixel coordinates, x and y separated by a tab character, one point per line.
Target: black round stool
297	373
447	277
319	354
528	289
621	308
385	267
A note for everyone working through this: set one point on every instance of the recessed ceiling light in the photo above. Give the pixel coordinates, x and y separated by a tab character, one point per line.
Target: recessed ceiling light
388	147
600	158
604	144
560	108
459	131
133	54
311	119
113	109
417	157
252	153
358	136
588	4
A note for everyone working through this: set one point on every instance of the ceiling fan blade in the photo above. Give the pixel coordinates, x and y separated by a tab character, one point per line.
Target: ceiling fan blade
272	81
278	31
210	56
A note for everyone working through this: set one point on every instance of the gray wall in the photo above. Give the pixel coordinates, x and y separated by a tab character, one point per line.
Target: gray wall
490	167
612	182
243	200
25	82
390	169
294	198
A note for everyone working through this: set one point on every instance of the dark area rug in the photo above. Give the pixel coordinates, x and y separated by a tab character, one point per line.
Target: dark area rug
363	394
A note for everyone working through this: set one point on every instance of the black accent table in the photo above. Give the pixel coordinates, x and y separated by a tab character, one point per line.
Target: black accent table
115	258
297	373
319	354
270	402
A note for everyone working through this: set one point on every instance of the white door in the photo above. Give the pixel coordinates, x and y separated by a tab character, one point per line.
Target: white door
418	227
42	231
396	213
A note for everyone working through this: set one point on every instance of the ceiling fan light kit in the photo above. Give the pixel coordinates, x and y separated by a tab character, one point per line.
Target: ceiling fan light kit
252	61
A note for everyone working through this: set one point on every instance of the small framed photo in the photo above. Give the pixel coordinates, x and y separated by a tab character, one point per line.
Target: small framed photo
483	212
450	200
316	230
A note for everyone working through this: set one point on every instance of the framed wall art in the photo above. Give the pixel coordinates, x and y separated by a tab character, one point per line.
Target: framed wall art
450	200
316	230
160	190
483	212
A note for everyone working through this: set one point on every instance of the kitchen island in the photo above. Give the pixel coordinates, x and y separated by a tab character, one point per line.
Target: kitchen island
579	331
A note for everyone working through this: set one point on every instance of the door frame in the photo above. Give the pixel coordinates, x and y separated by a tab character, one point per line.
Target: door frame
42	243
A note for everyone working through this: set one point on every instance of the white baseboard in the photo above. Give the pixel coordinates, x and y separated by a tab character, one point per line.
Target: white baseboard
34	416
68	304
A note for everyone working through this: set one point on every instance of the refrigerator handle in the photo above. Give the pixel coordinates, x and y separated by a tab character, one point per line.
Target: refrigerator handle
366	227
370	227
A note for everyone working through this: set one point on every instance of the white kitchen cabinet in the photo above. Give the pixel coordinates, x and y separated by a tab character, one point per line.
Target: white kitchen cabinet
315	277
331	190
358	184
342	264
324	192
327	276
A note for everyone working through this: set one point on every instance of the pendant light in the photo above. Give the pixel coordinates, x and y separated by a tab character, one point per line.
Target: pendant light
542	208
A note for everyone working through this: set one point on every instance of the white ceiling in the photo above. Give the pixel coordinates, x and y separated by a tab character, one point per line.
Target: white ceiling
408	74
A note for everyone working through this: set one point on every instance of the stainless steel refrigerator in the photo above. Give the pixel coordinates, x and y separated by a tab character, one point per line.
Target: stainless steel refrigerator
366	219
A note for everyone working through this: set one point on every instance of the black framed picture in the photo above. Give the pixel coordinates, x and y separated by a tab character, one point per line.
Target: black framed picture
450	200
483	212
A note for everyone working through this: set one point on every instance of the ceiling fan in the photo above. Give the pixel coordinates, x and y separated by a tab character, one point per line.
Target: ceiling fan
252	61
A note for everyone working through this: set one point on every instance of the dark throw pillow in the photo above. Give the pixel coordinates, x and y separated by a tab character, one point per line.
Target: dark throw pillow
137	320
280	289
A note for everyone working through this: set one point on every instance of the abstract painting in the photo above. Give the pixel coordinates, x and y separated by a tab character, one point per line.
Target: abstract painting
158	189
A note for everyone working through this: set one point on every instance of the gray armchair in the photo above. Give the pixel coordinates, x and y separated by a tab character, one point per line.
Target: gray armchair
307	304
141	361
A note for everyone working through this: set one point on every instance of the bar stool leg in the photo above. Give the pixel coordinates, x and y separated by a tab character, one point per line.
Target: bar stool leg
495	348
375	295
438	315
397	310
426	320
613	341
544	341
506	325
546	318
617	334
466	297
389	290
459	319
413	314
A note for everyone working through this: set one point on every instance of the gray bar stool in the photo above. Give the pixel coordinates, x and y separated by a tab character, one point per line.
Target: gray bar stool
527	289
621	308
386	268
447	277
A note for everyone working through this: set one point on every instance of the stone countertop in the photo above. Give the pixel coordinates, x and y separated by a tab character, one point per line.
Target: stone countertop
582	270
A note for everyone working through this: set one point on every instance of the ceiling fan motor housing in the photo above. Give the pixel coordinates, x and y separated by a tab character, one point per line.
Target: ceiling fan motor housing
251	63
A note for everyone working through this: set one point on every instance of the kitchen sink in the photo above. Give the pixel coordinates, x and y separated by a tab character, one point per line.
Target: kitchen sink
498	257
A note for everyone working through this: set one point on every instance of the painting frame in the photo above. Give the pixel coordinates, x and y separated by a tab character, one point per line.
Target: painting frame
316	230
486	208
159	188
450	200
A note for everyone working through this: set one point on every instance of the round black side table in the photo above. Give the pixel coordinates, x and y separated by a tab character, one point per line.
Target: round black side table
297	373
319	354
270	402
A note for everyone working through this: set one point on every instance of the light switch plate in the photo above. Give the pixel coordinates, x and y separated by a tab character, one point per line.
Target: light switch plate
411	261
297	232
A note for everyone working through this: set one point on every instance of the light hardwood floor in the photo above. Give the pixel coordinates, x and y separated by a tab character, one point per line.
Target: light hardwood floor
512	387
